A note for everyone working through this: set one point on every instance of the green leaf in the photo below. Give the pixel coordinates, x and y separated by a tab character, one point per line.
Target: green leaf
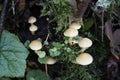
57	45
37	75
117	2
78	38
46	43
42	60
39	39
68	49
12	56
27	44
41	54
88	24
54	52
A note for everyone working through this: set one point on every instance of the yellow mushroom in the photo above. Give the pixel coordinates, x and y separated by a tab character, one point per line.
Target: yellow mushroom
51	61
35	45
75	25
71	32
31	19
33	28
85	43
84	59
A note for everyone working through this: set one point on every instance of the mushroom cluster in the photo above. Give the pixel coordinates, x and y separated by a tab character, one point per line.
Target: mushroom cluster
84	58
72	31
36	45
84	43
33	27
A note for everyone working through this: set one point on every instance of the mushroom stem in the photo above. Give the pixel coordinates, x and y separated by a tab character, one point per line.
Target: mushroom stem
33	32
33	28
36	51
46	69
70	40
82	50
74	41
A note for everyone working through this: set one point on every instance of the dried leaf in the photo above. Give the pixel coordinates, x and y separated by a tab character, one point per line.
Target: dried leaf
108	30
109	33
116	36
112	68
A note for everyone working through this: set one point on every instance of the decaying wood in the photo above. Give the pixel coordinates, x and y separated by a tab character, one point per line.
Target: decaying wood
73	3
81	8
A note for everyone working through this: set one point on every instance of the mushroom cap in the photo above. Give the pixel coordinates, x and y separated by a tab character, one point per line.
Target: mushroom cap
35	45
51	60
85	43
84	59
75	25
31	19
33	27
71	32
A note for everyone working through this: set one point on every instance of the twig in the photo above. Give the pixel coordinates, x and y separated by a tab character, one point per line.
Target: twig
95	25
102	32
13	7
2	15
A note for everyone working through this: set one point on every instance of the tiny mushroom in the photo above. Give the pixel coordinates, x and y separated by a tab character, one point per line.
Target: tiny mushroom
71	32
31	19
75	25
51	60
84	59
85	43
33	28
35	45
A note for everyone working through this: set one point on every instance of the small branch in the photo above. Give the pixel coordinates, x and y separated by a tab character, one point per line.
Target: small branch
2	15
13	7
102	32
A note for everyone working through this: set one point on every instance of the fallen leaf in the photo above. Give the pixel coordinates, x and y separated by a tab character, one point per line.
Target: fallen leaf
109	33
